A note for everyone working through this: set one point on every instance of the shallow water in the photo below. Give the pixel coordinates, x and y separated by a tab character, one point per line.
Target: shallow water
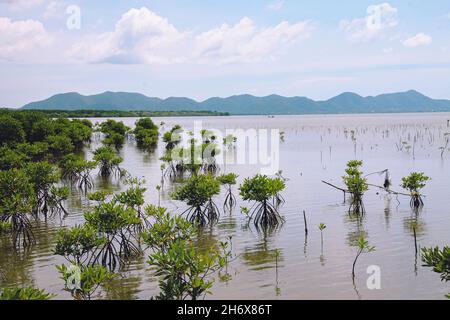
315	148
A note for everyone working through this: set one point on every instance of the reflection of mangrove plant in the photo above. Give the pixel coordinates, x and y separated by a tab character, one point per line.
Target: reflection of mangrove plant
197	192
414	183
363	246
439	260
108	161
262	190
228	180
356	185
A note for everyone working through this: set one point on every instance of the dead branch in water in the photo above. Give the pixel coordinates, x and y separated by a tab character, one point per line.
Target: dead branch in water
332	185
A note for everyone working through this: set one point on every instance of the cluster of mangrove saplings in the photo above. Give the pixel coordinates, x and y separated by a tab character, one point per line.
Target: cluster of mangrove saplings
196	156
121	227
41	158
356	184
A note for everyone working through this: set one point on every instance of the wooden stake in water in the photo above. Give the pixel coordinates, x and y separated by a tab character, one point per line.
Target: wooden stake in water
306	224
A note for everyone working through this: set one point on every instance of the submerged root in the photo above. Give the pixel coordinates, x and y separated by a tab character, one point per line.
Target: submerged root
21	229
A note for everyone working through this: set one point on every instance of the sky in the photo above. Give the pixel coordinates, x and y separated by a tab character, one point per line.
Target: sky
201	49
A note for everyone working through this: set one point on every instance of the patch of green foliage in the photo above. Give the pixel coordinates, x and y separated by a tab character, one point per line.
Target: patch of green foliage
264	191
28	293
197	193
356	185
439	260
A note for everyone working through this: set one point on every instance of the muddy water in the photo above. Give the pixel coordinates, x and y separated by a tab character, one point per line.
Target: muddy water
315	148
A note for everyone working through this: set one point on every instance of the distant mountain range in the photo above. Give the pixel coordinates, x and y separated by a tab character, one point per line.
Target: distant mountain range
410	101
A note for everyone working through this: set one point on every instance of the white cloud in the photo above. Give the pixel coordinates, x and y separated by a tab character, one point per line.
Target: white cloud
141	36
55	9
23	4
21	37
378	20
244	42
420	39
276	5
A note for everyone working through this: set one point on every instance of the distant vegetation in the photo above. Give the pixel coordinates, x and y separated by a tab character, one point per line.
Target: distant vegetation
348	102
125	114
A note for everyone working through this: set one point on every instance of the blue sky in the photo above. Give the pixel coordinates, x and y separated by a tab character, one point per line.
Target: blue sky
201	49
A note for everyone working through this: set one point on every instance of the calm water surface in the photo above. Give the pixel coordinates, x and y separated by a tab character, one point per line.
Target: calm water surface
315	148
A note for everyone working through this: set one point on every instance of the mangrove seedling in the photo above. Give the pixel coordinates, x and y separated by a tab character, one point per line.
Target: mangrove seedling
173	137
115	133
17	200
186	272
43	176
228	180
439	260
77	171
363	246
165	229
83	281
116	223
414	183
146	133
108	161
197	192
262	190
356	185
322	227
78	244
28	293
133	198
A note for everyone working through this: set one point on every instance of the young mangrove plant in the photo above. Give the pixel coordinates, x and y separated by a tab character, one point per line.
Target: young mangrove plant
108	161
44	176
17	200
115	133
228	180
116	223
439	260
78	244
146	133
185	271
356	185
165	229
173	137
262	190
322	226
363	246
77	171
133	198
83	281
414	183
197	192
28	293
